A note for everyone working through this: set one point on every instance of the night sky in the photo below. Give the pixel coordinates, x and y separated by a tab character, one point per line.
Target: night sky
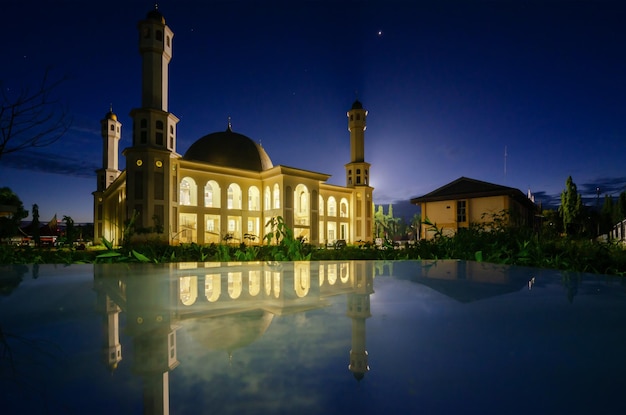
448	86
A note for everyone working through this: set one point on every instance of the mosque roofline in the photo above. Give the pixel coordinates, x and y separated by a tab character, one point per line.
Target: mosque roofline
280	169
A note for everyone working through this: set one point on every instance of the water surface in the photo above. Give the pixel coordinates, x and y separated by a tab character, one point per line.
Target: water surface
348	337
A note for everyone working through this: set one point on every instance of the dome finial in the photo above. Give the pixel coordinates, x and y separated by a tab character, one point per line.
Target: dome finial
230	124
156	6
111	107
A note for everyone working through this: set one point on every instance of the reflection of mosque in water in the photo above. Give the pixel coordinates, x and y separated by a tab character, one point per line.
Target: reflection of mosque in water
222	306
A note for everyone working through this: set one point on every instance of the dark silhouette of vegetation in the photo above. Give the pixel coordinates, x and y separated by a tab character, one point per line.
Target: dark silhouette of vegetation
35	226
571	208
9	225
31	118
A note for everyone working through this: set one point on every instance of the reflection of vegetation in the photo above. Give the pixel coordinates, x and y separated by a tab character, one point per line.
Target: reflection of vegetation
11	277
570	283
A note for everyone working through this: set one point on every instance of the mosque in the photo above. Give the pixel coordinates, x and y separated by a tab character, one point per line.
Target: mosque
225	186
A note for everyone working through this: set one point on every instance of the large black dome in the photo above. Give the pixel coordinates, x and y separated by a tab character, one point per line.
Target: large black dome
229	149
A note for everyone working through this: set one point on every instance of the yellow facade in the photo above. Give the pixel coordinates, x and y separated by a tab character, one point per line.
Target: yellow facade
467	201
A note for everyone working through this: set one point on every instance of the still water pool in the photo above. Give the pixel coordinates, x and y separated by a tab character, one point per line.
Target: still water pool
348	337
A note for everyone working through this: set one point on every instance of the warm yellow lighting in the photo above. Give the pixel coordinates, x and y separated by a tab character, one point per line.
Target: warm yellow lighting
159	163
139	163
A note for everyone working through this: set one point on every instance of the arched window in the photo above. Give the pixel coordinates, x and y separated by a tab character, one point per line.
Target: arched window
234	196
343	208
321	206
212	194
332	206
302	206
254	198
188	192
276	196
267	198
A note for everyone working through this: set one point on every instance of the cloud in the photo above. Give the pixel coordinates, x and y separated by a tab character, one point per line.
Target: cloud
50	162
612	186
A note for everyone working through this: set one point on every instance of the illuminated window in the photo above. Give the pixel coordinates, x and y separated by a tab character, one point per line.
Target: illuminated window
188	192
267	198
234	196
302	209
332	206
254	198
212	229
321	205
212	194
276	196
343	208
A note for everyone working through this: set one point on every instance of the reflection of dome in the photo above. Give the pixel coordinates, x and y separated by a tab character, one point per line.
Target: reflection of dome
229	149
229	332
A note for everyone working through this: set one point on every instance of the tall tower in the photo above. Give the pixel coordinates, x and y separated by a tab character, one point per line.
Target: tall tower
150	161
358	174
111	134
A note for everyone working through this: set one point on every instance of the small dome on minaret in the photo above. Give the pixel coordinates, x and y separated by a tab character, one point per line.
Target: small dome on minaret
357	105
155	15
110	115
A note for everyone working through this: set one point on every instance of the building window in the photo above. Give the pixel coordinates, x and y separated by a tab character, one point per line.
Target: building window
188	192
461	211
343	208
159	36
159	186
254	199
211	194
276	196
267	198
332	206
234	197
112	127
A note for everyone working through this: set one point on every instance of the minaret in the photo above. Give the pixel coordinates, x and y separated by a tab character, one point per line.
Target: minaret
150	161
111	134
358	174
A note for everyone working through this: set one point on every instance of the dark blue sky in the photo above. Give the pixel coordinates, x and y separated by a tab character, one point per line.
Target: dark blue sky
448	86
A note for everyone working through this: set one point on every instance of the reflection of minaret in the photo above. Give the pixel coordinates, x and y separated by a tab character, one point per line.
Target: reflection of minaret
148	322
111	348
358	311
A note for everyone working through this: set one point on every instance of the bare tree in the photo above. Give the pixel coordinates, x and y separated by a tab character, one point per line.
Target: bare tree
32	118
